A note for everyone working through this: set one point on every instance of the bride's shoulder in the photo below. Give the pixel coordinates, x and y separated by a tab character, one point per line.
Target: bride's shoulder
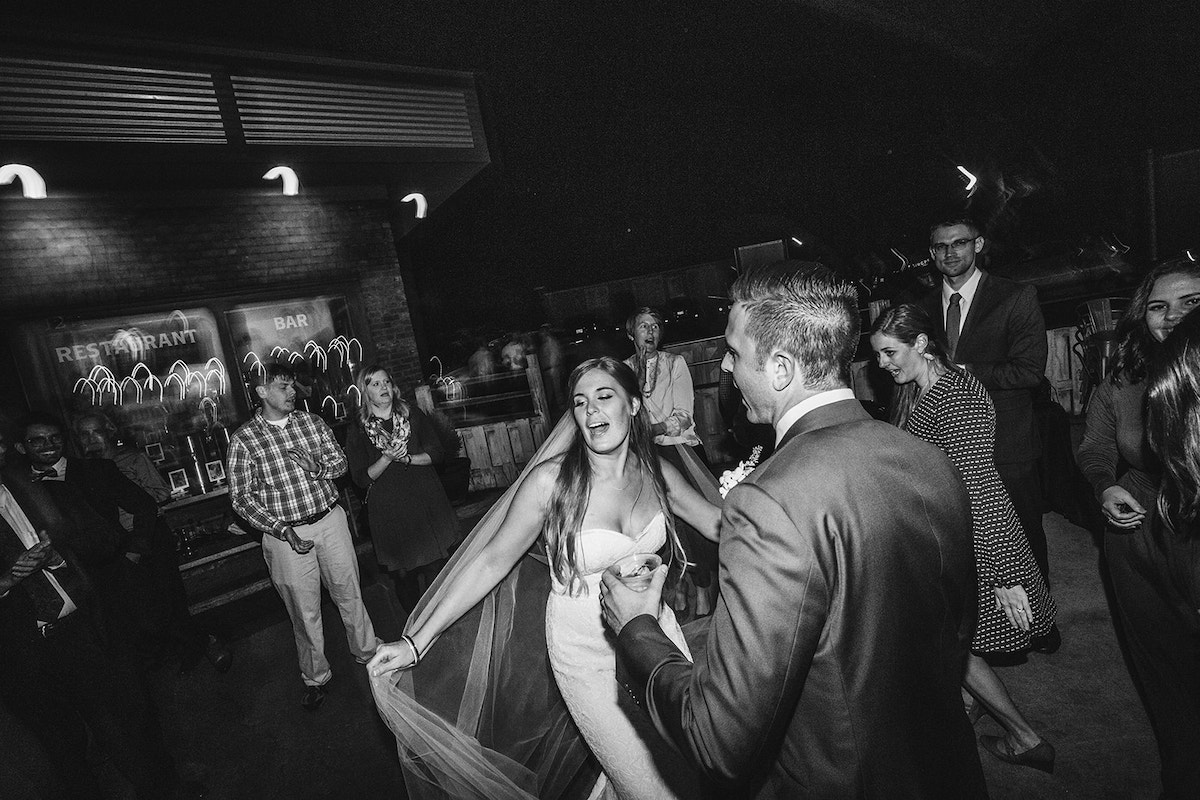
542	477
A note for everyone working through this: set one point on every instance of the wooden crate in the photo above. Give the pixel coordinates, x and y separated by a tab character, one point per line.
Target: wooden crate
1064	369
703	357
500	450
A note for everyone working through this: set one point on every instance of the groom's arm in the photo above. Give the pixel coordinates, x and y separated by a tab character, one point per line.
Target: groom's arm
729	711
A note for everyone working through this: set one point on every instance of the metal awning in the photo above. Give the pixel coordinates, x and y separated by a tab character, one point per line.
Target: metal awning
132	115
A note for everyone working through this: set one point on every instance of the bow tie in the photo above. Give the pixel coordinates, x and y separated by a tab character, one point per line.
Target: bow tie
46	475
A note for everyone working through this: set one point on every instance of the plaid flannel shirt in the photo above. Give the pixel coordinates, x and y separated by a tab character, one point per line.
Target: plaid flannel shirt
268	488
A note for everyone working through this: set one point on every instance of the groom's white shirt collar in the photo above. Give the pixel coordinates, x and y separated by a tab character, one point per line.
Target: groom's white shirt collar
809	404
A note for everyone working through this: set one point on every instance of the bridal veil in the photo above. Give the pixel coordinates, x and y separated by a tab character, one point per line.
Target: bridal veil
482	717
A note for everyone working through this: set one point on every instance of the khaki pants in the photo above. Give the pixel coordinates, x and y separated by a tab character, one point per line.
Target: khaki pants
298	580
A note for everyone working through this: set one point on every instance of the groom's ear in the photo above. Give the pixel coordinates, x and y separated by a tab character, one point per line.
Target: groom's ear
782	370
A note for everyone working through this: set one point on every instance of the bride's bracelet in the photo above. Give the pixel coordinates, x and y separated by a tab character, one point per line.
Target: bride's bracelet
416	653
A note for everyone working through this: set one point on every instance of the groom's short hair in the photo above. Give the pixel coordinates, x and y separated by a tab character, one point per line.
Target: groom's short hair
804	310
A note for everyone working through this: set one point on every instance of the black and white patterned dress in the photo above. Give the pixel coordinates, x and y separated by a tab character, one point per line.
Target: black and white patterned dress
957	416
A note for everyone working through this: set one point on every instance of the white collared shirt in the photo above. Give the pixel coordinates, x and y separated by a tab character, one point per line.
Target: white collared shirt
967	293
797	411
23	528
59	467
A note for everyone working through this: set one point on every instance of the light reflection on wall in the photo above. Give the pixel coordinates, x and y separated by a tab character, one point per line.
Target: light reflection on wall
337	362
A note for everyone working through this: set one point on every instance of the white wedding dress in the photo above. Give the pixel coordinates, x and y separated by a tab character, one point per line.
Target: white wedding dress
476	720
637	762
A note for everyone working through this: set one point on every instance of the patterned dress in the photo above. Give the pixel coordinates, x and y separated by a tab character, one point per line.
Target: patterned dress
956	414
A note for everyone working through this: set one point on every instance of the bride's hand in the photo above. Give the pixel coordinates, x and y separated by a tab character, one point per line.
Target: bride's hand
391	657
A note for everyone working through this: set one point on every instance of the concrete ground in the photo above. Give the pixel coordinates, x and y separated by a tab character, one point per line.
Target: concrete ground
245	735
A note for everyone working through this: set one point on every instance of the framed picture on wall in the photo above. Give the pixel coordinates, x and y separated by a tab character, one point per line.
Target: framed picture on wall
216	471
179	480
154	452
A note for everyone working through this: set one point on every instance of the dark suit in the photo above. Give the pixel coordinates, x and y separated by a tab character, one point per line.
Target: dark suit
152	596
1003	344
835	655
108	491
72	675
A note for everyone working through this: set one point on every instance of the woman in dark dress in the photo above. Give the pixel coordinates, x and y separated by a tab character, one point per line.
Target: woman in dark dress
1116	459
1173	428
392	452
946	406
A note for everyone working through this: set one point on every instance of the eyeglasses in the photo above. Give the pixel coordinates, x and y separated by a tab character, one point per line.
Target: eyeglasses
958	245
39	441
649	326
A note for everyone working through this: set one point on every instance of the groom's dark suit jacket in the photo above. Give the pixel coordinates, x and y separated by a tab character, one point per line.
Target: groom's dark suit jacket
835	654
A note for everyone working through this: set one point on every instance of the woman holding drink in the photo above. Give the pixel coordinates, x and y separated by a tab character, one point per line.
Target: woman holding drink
593	496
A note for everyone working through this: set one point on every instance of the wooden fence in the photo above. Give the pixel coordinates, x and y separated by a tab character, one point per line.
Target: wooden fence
499	449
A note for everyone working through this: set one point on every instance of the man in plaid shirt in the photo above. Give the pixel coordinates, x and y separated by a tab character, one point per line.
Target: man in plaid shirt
281	469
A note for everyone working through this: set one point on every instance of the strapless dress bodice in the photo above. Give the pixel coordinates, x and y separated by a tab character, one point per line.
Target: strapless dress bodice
600	548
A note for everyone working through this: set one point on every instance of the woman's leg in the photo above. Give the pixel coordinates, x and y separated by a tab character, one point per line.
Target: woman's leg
408	591
983	682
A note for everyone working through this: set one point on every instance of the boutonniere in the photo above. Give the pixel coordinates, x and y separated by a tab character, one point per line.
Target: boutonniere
732	477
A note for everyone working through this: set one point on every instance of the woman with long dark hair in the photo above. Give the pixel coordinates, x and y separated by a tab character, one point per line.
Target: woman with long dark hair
946	406
1116	458
392	453
595	494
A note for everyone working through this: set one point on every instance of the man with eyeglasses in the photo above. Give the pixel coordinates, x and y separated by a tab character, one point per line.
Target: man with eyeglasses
118	560
995	329
61	671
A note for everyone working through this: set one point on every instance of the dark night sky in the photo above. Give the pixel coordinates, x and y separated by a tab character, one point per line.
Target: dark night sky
634	137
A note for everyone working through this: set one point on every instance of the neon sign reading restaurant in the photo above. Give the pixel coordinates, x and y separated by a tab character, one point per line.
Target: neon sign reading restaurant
129	342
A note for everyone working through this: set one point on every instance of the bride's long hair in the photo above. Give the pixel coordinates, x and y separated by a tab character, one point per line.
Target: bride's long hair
572	489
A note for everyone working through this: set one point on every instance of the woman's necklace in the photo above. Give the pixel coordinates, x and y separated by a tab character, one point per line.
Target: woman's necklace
650	369
633	505
637	474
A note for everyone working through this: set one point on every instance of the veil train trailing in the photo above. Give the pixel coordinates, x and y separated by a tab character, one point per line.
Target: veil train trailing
482	717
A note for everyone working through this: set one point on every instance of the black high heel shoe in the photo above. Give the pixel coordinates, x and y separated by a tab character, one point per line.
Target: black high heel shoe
1040	756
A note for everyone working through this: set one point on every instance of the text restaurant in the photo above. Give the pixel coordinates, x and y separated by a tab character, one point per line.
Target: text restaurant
173	219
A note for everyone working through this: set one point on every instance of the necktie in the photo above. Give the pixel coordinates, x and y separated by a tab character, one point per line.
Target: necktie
46	474
953	323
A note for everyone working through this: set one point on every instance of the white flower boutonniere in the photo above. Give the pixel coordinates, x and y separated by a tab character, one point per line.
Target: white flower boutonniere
732	477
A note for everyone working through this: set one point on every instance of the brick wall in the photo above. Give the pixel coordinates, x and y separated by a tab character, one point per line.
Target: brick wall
72	254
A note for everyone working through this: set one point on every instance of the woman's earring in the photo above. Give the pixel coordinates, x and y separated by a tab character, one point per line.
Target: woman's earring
927	356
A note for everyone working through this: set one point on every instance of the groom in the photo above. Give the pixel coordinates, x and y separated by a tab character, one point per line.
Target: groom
847	584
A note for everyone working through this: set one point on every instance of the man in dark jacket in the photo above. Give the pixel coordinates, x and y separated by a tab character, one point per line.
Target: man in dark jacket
59	671
833	662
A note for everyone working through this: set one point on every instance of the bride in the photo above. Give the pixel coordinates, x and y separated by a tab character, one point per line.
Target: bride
594	494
